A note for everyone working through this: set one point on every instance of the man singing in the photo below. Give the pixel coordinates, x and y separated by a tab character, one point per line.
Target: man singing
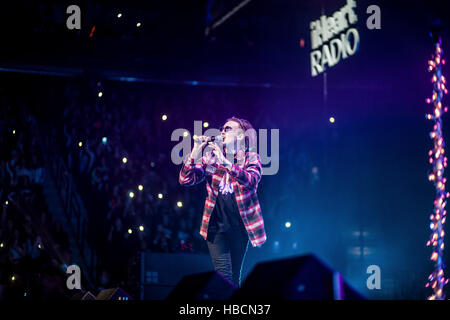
232	214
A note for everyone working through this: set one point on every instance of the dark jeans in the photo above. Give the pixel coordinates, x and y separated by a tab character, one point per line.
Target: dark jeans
227	250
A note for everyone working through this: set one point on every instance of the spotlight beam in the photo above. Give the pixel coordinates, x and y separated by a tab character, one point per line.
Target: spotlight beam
224	18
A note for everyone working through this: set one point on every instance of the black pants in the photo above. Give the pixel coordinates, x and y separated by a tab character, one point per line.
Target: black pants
227	250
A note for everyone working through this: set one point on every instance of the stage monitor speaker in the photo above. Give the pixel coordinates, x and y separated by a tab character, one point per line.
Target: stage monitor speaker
210	285
113	294
161	272
83	295
299	278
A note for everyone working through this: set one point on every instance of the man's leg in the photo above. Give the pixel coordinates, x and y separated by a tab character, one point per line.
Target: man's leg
238	248
219	250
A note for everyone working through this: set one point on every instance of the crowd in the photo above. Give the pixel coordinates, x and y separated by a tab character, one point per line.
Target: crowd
33	247
127	181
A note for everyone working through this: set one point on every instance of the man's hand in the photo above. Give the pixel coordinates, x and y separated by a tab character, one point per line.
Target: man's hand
198	146
220	156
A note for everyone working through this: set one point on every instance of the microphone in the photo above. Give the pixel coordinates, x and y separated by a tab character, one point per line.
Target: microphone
216	139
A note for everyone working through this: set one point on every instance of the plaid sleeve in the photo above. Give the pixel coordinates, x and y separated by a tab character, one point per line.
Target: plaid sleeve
250	175
192	173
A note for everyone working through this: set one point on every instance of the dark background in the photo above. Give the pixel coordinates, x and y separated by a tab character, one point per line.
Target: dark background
369	203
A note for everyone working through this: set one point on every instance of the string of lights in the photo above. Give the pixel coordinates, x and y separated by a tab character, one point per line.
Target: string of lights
438	160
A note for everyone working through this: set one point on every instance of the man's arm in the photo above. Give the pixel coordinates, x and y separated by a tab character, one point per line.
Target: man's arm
250	175
191	173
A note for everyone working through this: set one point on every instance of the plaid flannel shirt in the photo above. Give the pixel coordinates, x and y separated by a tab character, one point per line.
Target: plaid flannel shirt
245	176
